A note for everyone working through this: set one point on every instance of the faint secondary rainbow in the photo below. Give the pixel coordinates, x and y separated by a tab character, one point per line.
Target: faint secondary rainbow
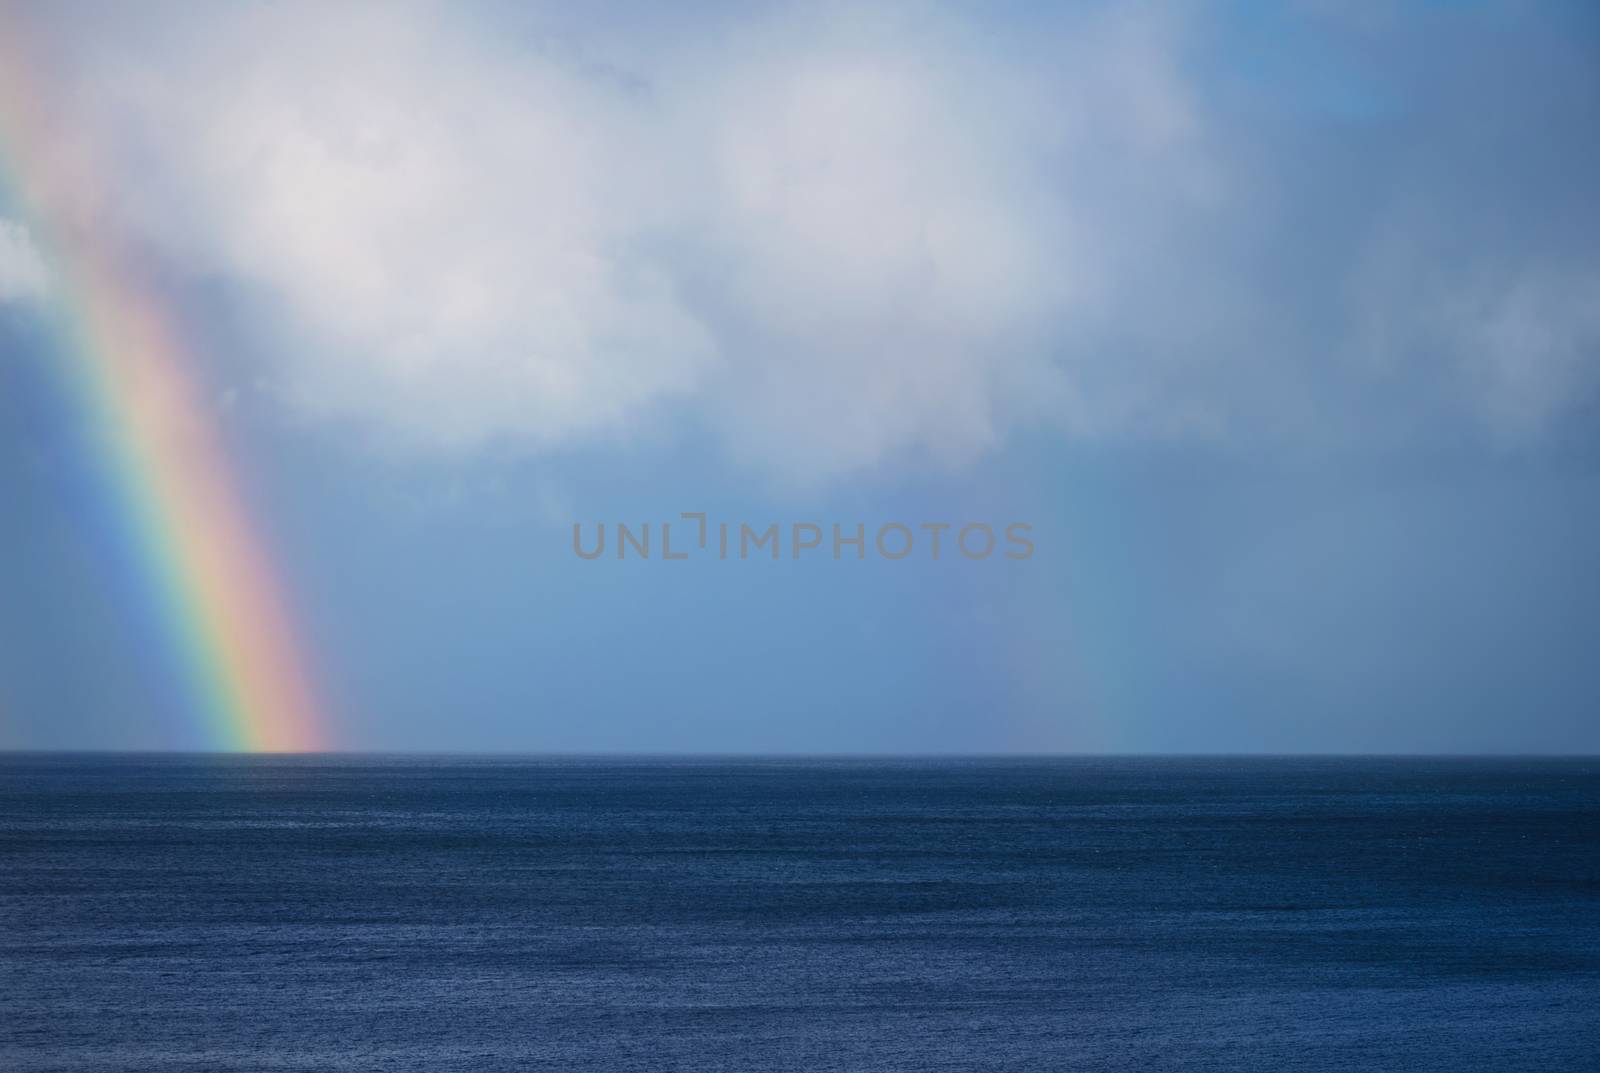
123	360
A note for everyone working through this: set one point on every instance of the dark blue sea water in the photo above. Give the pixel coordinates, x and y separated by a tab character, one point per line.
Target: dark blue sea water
211	914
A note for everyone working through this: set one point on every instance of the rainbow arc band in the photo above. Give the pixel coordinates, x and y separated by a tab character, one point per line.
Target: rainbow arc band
178	506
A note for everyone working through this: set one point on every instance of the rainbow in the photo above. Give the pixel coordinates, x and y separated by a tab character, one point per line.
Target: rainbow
179	517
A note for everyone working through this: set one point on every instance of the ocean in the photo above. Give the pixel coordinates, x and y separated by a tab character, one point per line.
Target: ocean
207	914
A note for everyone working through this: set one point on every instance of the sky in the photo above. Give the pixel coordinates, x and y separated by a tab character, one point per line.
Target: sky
1278	325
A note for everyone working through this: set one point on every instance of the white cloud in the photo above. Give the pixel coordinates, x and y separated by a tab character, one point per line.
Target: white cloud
446	229
839	236
23	274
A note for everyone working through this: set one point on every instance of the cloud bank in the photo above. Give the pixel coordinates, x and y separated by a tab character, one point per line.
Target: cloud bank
843	237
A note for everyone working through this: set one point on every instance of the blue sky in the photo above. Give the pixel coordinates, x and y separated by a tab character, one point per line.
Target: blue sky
1280	325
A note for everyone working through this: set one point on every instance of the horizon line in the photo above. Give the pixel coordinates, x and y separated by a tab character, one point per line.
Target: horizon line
794	755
